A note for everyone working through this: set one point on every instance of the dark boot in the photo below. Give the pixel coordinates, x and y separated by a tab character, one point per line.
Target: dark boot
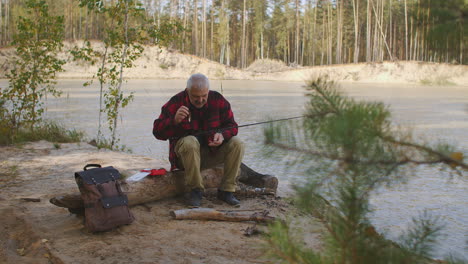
227	197
194	198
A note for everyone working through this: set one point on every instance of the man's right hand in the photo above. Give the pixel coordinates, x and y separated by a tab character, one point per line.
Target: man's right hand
182	113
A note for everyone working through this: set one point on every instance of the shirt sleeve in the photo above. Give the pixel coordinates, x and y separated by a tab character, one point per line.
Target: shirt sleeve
228	124
164	127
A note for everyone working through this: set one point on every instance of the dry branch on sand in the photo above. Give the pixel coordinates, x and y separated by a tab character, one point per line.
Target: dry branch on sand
229	215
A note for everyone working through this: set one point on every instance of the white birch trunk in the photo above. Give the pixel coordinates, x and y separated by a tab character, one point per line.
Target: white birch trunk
368	33
243	39
204	40
406	31
356	30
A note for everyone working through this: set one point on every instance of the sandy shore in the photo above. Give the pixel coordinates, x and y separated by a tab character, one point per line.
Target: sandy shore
156	63
39	232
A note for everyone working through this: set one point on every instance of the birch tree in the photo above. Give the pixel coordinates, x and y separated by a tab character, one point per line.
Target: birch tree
122	46
35	65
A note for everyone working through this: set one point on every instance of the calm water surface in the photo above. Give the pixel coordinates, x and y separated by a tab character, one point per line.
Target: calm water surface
437	113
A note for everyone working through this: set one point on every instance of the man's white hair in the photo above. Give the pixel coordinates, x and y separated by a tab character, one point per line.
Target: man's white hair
198	81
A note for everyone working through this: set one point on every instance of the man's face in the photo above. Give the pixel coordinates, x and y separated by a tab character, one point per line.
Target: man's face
198	97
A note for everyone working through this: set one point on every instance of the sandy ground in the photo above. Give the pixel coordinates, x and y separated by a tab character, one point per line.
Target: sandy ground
157	63
39	232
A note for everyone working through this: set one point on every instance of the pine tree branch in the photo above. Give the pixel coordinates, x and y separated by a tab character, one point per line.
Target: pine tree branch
443	158
326	96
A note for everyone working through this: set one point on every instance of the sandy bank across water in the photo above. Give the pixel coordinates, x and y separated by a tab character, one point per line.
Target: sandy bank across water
157	63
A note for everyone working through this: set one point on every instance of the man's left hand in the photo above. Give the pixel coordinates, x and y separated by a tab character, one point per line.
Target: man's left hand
217	140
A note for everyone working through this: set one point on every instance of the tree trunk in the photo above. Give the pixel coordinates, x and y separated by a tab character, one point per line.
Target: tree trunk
185	22
195	28
356	30
323	39
339	31
303	44
313	34
228	52
428	24
375	44
2	30
212	34
204	30
406	31
411	40
329	35
172	12
390	23
296	52
462	46
368	33
123	60
223	33
261	45
5	24
172	184
243	39
80	23
379	25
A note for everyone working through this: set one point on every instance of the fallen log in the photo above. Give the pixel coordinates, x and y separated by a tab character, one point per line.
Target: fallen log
212	214
153	188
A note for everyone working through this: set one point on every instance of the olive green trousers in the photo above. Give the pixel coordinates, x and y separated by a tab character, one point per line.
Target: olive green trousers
193	158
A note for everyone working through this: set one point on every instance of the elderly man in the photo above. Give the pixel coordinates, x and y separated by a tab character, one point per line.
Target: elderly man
202	133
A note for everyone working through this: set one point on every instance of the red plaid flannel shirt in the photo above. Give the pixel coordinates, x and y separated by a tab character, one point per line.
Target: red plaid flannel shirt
215	114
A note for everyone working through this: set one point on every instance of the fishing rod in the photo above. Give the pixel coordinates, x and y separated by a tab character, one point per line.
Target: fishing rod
245	125
266	122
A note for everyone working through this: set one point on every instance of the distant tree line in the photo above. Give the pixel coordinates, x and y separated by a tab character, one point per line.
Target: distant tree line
298	32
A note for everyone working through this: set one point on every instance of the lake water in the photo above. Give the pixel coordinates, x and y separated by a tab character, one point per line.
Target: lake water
437	113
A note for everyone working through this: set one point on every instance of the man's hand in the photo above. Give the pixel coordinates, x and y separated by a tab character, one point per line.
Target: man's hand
181	114
217	140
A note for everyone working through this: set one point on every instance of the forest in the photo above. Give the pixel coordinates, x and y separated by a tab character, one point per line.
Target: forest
297	32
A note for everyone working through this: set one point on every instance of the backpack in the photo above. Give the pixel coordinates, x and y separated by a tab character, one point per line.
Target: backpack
106	206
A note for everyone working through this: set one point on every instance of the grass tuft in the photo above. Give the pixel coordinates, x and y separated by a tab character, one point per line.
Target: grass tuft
436	81
50	131
104	143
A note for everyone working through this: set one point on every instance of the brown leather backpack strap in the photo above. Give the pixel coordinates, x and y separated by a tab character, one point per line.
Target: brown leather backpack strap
92	165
